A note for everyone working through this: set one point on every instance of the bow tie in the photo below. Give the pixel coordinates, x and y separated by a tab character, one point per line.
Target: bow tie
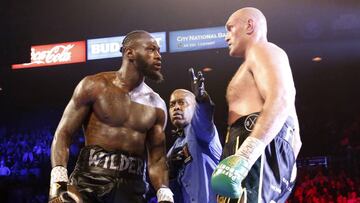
179	132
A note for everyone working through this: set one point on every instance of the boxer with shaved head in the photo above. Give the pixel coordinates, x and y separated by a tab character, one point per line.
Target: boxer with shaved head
258	161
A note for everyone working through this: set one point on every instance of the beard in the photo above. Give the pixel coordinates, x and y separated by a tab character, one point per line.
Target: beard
148	71
153	75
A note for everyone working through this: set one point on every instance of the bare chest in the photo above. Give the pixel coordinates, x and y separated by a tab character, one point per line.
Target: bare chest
242	85
116	109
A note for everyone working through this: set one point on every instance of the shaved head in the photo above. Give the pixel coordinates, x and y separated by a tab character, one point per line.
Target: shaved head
181	107
244	14
243	27
186	93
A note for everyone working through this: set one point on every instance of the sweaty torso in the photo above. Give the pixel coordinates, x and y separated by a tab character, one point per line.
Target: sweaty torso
242	95
116	122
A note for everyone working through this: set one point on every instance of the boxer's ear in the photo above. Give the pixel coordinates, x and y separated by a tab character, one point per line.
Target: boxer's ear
129	52
250	26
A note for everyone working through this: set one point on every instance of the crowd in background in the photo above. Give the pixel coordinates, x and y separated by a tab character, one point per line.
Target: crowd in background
25	167
25	163
325	185
336	177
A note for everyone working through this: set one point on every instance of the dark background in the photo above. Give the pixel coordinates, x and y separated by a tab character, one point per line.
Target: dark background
327	91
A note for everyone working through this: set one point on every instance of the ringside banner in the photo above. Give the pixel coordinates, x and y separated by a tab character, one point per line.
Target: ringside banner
109	47
197	39
55	54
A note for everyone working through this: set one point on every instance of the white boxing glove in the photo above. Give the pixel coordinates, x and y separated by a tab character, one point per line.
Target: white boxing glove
164	194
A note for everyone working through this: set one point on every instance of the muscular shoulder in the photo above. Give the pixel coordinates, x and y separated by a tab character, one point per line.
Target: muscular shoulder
96	81
268	50
100	78
143	94
146	96
159	102
267	54
90	85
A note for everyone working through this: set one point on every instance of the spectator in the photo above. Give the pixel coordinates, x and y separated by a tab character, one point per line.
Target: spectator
4	170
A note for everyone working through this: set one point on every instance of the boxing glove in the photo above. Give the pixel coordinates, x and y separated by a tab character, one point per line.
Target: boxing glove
164	195
59	187
57	192
228	175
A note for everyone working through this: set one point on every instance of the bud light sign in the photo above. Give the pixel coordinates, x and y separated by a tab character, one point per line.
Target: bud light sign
110	47
104	47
